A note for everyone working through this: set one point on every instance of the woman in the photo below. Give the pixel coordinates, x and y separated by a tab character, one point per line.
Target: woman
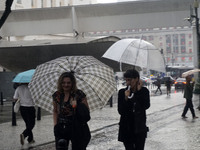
132	104
27	111
70	114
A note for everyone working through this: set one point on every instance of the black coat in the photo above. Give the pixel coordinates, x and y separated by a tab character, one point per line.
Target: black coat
133	114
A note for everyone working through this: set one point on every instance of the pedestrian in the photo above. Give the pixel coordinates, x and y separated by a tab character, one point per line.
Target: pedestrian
27	111
132	104
70	114
188	94
168	85
158	84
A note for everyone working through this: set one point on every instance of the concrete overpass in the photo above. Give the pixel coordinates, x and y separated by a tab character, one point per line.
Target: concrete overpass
76	23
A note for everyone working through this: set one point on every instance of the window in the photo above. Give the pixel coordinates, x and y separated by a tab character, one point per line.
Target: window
168	43
190	36
190	43
151	38
182	49
144	38
182	39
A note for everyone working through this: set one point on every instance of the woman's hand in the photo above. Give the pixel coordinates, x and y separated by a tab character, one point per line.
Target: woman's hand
74	103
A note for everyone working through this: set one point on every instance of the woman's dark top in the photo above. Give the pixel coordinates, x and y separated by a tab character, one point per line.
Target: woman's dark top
74	119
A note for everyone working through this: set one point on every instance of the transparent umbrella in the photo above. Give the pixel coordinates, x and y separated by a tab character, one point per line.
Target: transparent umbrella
136	52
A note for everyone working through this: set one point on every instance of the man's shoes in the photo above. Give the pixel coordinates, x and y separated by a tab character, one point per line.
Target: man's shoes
195	117
22	139
183	117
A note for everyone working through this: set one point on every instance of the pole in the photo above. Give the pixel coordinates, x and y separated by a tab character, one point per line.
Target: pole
111	101
1	98
39	114
196	6
13	115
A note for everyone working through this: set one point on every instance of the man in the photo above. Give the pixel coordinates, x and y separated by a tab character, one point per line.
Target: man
132	104
158	86
188	93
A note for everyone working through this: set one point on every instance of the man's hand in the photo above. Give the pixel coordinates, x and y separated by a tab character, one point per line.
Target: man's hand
139	86
127	92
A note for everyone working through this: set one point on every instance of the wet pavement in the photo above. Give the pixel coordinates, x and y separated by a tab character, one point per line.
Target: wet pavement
168	131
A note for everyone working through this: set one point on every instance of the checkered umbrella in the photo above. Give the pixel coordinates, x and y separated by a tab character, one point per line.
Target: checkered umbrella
93	77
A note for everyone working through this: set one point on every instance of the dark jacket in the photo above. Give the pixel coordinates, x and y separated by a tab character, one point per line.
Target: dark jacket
133	114
188	93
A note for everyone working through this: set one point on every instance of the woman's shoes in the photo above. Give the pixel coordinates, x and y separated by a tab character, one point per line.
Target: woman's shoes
31	142
22	140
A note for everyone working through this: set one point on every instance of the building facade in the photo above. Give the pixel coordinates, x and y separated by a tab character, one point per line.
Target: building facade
176	43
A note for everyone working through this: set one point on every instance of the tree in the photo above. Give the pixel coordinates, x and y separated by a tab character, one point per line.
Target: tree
6	13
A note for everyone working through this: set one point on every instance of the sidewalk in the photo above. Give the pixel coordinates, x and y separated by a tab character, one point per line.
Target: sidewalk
43	130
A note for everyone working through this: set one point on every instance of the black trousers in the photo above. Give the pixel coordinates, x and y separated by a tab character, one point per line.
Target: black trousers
137	144
158	88
188	105
28	115
65	132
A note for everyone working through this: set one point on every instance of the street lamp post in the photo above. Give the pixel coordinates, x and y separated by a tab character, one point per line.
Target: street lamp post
197	85
196	6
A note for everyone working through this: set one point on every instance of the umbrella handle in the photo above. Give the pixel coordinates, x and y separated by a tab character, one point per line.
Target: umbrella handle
120	66
129	87
131	96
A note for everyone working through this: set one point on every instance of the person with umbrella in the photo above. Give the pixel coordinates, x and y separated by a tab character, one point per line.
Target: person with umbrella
168	85
188	94
158	84
132	104
70	114
27	110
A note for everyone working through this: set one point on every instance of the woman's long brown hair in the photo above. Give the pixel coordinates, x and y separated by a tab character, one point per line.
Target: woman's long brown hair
67	75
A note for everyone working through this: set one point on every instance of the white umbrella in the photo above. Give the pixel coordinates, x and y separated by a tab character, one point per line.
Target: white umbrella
136	52
190	72
93	77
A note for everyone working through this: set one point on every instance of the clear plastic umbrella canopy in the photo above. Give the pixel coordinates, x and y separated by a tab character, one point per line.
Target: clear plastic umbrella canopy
136	52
